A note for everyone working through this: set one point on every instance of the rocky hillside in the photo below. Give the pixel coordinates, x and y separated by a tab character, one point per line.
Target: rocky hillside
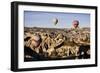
51	43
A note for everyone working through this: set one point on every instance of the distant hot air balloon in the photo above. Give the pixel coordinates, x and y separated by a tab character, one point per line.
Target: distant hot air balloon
55	21
75	23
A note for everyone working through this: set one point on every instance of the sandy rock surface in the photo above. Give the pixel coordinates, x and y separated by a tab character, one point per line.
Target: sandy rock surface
49	43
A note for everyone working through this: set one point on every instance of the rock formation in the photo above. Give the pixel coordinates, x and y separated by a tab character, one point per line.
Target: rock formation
51	43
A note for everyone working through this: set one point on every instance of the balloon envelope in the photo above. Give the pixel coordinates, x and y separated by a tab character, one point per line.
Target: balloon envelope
55	21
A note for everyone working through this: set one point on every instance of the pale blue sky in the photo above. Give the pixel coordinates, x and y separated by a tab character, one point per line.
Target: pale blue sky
45	19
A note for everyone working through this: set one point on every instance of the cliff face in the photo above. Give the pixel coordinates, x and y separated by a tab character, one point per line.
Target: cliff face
51	43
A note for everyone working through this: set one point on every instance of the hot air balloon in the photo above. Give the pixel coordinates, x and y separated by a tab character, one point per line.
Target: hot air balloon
75	23
55	21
